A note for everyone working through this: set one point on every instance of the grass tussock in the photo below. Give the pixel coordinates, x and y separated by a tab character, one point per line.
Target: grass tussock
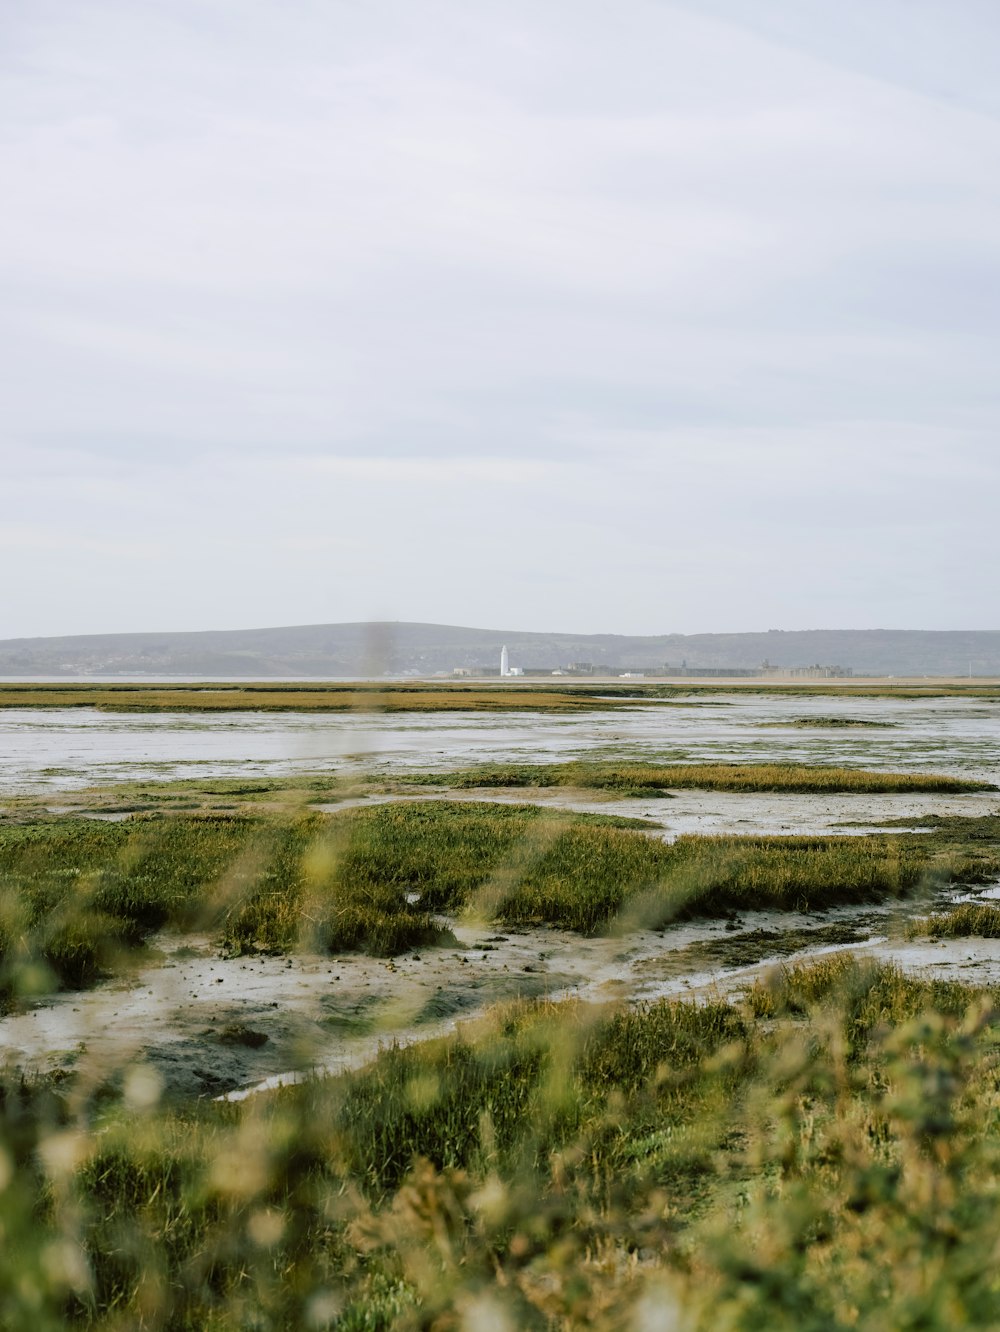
658	778
824	1156
978	920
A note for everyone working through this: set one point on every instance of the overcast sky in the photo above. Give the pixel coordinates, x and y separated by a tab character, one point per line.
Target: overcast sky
592	315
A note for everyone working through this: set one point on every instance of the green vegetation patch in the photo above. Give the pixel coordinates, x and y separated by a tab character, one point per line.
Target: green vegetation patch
375	871
886	687
978	920
522	865
284	794
78	895
824	1155
658	778
309	697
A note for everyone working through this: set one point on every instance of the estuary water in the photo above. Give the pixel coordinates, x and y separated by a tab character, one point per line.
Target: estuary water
52	749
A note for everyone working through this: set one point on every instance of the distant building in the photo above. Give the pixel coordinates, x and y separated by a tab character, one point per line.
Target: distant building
714	672
816	672
766	671
504	661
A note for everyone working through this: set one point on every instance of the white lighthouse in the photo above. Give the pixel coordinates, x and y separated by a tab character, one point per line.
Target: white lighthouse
504	661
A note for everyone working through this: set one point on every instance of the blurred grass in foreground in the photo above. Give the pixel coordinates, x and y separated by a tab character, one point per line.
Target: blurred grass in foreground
822	1156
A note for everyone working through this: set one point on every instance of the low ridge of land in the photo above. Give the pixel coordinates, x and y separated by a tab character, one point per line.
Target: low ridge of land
373	648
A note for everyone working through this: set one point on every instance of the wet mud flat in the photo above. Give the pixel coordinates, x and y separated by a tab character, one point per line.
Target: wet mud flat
209	1025
759	814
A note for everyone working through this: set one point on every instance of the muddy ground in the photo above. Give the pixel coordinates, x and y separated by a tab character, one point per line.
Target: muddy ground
210	1025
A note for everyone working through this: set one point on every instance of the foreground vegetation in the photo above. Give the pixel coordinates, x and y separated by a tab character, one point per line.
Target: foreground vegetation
78	895
658	778
824	1155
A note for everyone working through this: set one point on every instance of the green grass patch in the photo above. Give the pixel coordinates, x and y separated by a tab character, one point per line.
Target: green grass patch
743	948
310	697
521	865
77	896
978	920
658	778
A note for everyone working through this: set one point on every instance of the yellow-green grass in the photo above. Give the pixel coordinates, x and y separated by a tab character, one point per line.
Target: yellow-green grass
655	778
298	791
77	895
904	687
273	794
284	793
265	697
824	1156
968	920
437	696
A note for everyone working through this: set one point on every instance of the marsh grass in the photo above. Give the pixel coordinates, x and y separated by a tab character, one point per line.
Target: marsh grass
887	687
825	1155
868	997
659	778
388	696
833	723
285	794
79	896
440	696
968	920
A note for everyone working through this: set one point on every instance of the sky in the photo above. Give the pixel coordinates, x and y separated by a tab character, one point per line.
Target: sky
574	315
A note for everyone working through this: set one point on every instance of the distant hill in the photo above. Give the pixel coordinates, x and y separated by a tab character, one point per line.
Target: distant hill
424	649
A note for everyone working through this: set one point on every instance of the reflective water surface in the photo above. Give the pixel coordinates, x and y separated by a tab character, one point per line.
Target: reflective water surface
62	749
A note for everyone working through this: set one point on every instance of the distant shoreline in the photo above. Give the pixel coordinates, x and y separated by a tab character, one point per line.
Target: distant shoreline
206	695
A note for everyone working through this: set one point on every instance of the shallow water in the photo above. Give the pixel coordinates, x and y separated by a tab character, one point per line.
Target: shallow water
65	749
